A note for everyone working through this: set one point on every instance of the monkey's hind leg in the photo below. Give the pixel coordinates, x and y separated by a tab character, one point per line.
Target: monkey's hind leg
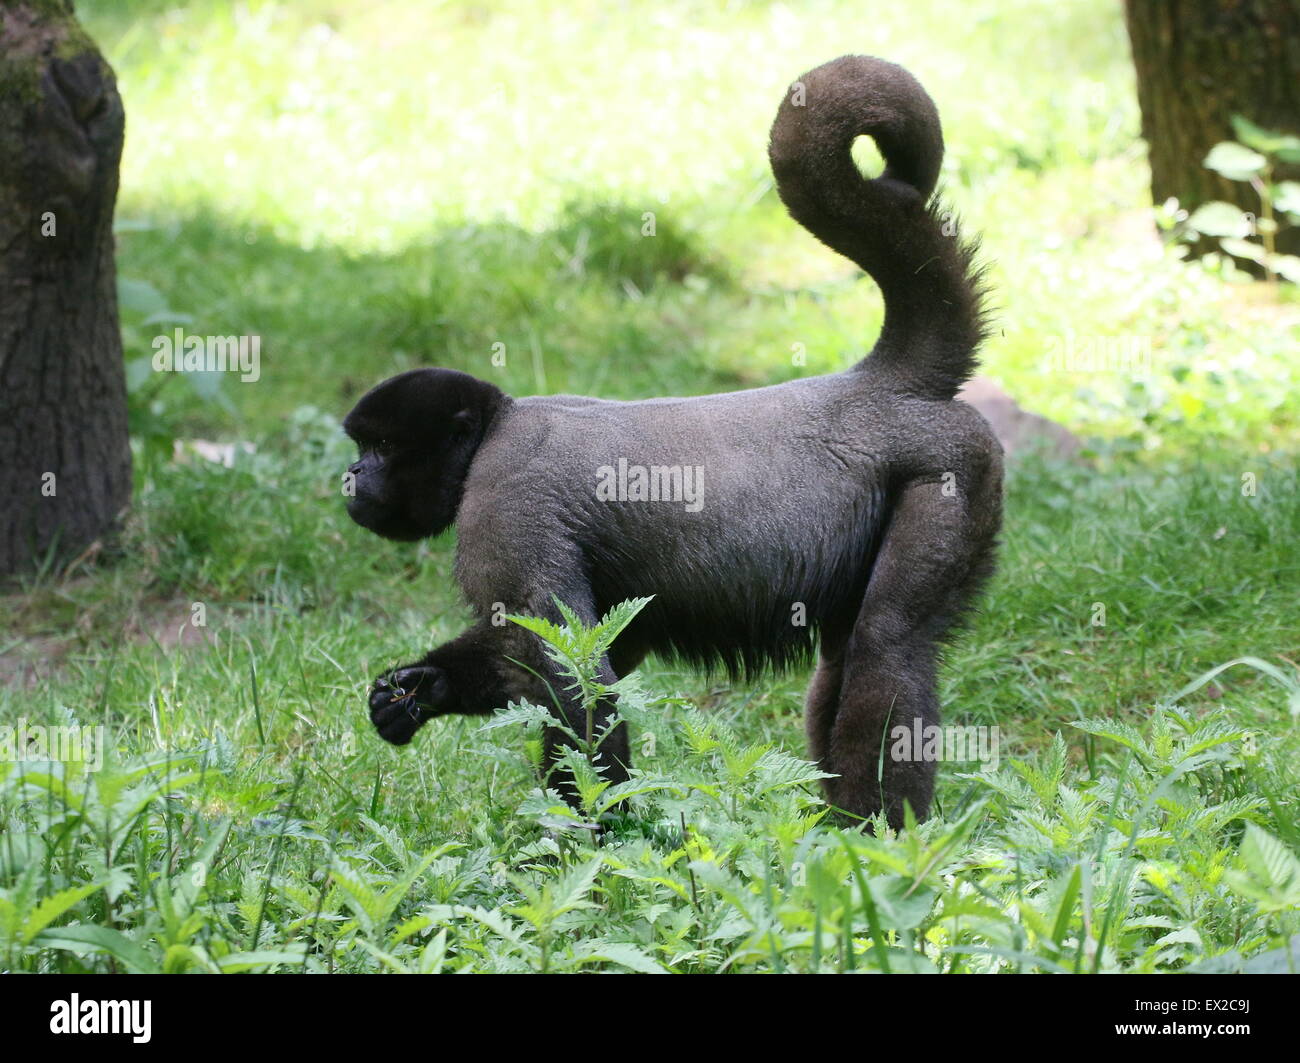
935	553
823	697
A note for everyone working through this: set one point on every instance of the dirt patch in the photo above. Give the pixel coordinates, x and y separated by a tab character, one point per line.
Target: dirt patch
29	659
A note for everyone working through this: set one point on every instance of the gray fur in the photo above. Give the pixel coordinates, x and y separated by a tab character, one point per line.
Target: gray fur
864	503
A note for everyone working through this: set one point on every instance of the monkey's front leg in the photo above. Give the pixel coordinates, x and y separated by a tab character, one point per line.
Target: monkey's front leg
461	676
476	673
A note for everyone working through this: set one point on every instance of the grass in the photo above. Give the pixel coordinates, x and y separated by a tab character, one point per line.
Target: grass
372	187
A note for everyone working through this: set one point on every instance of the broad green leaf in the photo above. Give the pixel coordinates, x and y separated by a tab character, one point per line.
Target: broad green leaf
435	953
901	905
412	926
18	849
1288	266
84	938
180	958
139	297
246	961
1220	219
779	771
491	918
139	371
9	919
1265	140
632	788
386	958
1286	197
1269	860
1235	161
1243	249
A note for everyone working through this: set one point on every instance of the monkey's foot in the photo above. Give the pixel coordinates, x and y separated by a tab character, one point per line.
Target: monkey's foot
401	703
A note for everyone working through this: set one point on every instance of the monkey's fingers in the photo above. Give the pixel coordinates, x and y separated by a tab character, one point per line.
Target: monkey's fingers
426	684
394	713
396	721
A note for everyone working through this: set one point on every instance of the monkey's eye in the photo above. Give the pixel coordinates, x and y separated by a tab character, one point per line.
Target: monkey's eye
384	448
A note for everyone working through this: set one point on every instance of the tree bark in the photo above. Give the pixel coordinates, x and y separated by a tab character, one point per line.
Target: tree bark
65	459
1198	63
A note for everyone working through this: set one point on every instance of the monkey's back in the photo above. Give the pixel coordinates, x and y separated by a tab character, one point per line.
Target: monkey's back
772	533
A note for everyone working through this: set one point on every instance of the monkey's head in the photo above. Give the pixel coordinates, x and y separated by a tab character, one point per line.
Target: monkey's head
416	435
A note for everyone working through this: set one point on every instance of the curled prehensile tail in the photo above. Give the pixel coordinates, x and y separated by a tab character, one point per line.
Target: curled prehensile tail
888	225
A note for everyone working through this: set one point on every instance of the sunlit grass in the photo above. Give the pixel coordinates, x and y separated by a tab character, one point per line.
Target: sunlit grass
400	145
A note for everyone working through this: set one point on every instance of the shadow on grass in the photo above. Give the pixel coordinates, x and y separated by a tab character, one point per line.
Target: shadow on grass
592	305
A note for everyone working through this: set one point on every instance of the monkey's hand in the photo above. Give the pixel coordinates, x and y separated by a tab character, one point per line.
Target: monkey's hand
403	700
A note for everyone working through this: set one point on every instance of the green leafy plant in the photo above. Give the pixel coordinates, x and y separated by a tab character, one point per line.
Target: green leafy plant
1251	159
577	650
1143	855
153	408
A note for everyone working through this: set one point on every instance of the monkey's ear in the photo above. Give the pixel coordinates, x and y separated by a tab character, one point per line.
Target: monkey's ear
463	423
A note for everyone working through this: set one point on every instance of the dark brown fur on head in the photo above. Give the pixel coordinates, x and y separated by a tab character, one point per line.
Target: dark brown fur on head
416	434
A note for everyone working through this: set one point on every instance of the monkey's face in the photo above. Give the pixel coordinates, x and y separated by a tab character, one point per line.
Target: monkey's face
416	435
382	491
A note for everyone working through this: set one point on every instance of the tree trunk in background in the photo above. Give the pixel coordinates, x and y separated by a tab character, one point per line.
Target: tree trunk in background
1198	63
65	459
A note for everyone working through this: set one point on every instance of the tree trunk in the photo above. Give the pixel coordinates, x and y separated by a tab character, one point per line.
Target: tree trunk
65	459
1199	62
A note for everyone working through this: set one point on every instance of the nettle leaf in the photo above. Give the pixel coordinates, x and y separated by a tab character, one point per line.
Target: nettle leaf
1116	731
637	785
778	771
550	810
625	954
1211	734
572	888
50	908
1269	859
1271	872
1220	219
543	628
1234	161
522	712
1216	817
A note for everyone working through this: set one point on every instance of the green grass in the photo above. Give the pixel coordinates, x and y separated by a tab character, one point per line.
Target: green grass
372	187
